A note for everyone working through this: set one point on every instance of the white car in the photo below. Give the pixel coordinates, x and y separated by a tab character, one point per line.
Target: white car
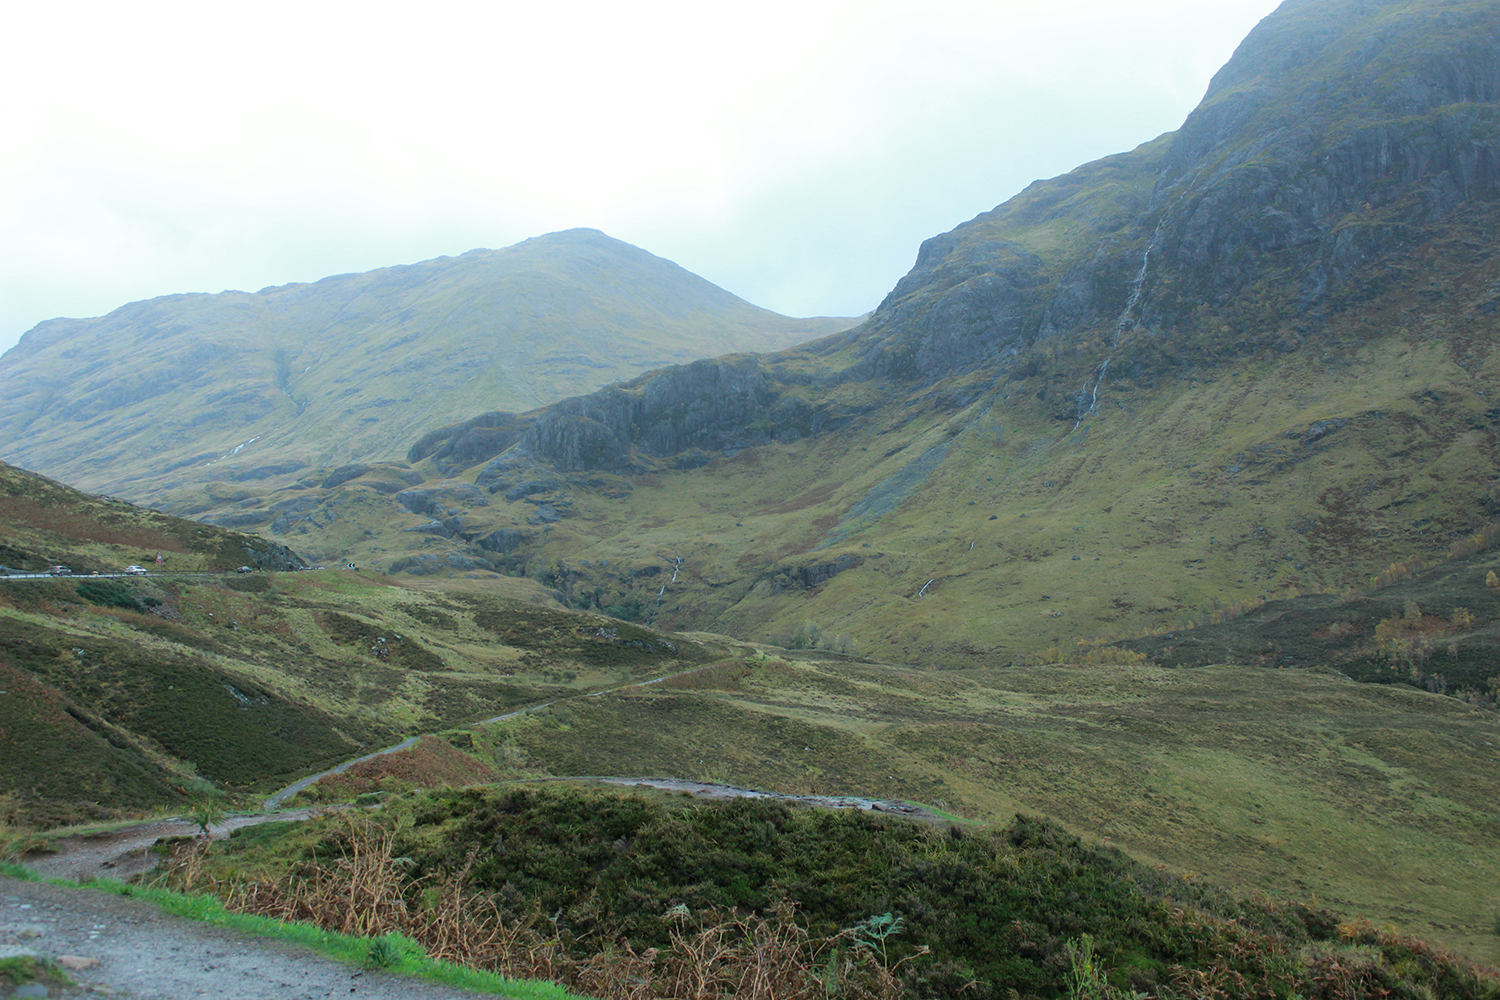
136	570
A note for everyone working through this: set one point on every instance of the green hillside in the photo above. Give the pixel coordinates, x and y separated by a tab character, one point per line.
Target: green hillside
165	394
1248	360
1158	502
123	693
1292	788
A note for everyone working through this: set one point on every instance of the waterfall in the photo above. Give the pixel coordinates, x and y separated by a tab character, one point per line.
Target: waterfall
1125	322
675	570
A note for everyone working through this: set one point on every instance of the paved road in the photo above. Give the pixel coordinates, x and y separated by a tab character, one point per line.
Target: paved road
156	574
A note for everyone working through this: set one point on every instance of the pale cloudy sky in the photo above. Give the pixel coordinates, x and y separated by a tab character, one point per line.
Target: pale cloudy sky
795	153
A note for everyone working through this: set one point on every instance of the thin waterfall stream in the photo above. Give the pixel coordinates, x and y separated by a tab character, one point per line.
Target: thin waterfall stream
1137	289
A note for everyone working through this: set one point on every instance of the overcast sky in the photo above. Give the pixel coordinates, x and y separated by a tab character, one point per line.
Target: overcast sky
794	153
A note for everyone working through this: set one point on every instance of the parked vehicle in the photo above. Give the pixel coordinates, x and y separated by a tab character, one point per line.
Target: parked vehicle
60	571
245	569
136	570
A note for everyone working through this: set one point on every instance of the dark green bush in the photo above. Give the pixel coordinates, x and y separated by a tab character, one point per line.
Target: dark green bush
997	908
109	594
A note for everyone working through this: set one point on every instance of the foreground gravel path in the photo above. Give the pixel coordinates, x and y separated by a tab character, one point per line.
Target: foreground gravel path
142	953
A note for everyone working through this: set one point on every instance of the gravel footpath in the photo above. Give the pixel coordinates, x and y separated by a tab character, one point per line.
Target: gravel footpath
144	954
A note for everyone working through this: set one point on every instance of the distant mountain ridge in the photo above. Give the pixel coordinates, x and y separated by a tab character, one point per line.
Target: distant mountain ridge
187	389
1251	356
1330	149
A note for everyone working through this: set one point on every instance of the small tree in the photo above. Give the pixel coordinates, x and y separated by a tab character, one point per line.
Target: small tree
206	813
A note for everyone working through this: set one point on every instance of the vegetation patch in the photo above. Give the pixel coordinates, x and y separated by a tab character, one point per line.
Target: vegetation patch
109	594
571	882
1433	627
431	762
591	641
59	764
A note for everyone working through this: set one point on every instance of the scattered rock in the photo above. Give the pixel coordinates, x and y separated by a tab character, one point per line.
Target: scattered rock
76	963
504	540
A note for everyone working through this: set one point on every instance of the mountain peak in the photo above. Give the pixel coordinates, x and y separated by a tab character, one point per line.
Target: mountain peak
187	389
579	236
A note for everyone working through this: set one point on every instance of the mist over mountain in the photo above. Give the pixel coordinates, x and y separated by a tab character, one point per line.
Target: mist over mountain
254	386
1248	358
1225	401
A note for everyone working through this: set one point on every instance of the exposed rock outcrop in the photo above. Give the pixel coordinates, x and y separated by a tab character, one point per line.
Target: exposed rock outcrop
682	417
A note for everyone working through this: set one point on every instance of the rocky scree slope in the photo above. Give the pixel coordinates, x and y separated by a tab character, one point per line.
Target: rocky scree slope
163	396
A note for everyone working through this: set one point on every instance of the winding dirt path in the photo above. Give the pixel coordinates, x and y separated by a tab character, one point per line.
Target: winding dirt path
124	852
713	790
277	798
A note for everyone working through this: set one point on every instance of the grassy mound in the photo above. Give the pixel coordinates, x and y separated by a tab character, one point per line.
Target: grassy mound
1024	909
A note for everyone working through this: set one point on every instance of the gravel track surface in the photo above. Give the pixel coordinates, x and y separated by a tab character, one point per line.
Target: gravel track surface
145	954
125	852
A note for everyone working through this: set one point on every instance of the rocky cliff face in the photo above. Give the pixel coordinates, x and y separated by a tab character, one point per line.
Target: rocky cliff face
680	417
1333	141
1338	131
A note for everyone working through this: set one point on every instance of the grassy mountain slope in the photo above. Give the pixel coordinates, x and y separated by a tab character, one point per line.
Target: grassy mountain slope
124	693
1247	359
171	392
962	523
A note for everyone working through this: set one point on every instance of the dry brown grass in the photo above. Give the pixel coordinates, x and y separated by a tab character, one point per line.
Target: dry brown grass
1236	610
367	891
1398	571
1481	540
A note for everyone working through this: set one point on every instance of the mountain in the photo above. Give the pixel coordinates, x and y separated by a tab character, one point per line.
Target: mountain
167	394
1248	359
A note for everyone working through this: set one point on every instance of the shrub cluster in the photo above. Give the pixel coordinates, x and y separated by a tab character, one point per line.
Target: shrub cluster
583	877
109	594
